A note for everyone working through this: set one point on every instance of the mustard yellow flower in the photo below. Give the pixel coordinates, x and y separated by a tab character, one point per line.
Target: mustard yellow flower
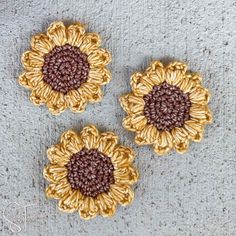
90	173
65	68
168	107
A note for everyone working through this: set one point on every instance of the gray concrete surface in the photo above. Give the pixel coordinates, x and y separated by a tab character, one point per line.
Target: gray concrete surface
191	194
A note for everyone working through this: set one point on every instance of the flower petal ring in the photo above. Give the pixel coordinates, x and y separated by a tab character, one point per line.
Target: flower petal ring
65	68
90	173
168	107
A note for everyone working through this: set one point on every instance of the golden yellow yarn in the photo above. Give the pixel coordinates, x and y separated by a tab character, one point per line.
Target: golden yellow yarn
70	200
178	138
57	35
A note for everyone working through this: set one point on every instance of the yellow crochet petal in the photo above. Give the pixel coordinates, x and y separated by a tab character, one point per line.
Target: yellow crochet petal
69	203
75	34
194	129
42	44
107	143
30	79
41	93
132	104
57	103
126	175
156	72
122	193
148	135
90	43
57	33
71	142
106	204
140	84
88	208
135	122
99	57
199	95
90	137
57	154
91	92
99	75
32	61
122	156
58	190
54	173
164	143
75	101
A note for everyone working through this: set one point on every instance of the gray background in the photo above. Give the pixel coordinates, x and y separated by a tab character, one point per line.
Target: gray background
190	194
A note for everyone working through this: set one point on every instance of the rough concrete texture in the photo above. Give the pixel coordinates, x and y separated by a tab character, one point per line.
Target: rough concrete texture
190	194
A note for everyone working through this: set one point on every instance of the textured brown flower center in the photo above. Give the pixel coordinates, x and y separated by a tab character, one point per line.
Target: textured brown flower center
90	171
166	107
65	68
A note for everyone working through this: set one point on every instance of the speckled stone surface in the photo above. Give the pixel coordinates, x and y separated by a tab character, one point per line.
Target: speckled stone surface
190	194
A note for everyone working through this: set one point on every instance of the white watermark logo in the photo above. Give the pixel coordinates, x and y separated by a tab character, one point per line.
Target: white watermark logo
14	217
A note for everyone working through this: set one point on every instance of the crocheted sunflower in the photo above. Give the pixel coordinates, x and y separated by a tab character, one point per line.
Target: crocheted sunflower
167	108
90	173
65	68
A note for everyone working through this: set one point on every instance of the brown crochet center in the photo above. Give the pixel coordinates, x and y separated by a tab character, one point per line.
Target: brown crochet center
167	107
90	171
65	68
